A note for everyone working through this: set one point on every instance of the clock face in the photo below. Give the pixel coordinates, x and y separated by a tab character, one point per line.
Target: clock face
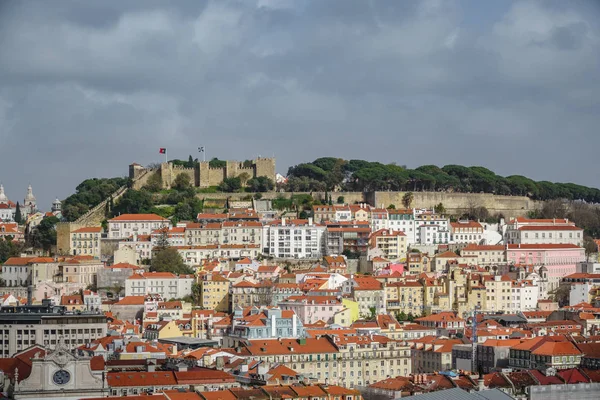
61	377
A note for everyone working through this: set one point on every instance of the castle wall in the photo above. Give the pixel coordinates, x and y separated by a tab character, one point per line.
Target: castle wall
177	170
457	203
265	167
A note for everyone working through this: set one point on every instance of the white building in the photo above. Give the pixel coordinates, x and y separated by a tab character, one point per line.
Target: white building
545	234
295	238
164	284
525	295
141	244
86	241
126	225
173	236
466	232
7	207
194	255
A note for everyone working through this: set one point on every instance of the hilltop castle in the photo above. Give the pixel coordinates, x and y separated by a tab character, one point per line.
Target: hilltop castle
202	175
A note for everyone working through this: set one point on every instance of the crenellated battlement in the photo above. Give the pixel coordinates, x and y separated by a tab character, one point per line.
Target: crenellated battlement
203	175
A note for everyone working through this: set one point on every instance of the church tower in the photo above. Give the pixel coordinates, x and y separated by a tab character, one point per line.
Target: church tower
30	203
3	198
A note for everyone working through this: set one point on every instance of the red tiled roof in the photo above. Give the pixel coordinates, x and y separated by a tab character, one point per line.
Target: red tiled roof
89	229
138	217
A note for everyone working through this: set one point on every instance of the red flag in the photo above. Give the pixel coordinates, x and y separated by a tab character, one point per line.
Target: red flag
162	150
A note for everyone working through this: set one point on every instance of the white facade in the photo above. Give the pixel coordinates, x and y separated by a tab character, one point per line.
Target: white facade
525	296
433	234
580	292
126	225
543	231
86	241
293	239
194	255
165	284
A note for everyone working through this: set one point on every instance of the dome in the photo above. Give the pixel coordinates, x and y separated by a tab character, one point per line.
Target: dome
29	197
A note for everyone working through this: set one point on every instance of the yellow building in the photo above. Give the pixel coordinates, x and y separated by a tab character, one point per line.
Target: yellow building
86	241
214	292
486	254
417	263
353	307
498	292
162	330
392	244
405	297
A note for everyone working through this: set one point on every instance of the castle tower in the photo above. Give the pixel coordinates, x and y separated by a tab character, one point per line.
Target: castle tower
30	203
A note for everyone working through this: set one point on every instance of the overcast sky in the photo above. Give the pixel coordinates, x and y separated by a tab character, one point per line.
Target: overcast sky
88	87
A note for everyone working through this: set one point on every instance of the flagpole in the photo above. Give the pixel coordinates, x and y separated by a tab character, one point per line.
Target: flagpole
166	159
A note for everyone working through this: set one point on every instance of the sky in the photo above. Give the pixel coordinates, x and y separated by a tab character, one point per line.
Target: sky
89	87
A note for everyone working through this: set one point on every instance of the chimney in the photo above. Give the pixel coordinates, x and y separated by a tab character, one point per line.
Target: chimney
29	294
310	221
283	221
480	384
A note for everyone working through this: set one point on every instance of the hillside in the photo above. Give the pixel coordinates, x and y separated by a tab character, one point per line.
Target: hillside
329	173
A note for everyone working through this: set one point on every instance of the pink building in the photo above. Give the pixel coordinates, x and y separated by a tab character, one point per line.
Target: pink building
559	259
311	309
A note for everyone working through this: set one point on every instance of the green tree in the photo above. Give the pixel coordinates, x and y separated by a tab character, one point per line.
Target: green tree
168	260
216	163
154	183
89	194
18	216
407	199
182	182
196	293
134	202
230	185
391	207
340	200
190	163
439	209
244	177
9	248
261	184
43	236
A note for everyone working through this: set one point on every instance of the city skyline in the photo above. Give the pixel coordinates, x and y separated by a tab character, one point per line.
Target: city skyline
88	88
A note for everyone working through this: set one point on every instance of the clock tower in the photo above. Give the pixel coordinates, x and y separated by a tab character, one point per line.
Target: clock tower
62	375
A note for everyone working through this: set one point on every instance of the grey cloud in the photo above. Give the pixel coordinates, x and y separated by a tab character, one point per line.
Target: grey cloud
88	87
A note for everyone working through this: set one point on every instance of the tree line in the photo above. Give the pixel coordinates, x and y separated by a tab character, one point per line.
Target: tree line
330	173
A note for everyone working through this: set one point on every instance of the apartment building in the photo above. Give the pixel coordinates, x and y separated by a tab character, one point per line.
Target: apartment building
263	323
19	271
86	241
498	291
405	297
351	236
171	236
347	360
432	354
126	225
164	284
311	309
559	259
391	244
295	238
368	292
485	254
543	231
25	326
214	292
197	254
466	232
82	270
